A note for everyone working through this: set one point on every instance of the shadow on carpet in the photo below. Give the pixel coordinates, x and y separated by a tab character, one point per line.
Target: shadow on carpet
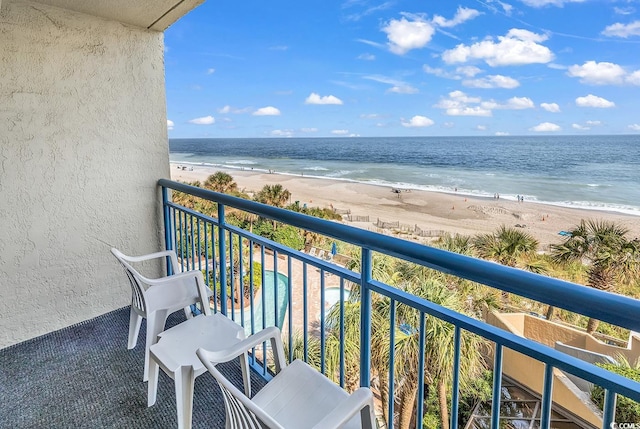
83	376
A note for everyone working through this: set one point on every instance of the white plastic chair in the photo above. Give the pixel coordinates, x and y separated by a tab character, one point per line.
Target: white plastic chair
298	397
156	299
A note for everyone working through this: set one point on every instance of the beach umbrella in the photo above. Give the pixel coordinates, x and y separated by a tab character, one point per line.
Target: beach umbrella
334	249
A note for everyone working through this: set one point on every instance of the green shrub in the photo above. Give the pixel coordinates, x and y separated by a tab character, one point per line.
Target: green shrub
627	410
289	236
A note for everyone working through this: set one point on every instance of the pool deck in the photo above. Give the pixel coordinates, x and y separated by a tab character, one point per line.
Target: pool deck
313	302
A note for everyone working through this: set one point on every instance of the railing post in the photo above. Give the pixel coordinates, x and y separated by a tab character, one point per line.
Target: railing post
222	254
168	244
365	319
609	408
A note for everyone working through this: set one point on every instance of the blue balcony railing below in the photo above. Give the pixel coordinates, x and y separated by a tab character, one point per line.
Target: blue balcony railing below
315	302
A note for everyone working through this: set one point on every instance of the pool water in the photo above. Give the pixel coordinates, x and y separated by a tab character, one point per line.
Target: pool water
272	311
332	297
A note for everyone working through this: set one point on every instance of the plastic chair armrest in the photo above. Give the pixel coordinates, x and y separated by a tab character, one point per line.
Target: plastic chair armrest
148	256
170	253
354	404
272	333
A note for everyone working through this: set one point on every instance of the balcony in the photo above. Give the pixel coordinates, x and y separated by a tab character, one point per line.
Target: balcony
326	306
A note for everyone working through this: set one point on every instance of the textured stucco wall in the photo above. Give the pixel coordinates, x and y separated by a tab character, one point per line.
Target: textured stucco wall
83	141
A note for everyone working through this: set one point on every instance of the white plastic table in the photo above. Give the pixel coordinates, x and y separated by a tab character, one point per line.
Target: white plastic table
175	353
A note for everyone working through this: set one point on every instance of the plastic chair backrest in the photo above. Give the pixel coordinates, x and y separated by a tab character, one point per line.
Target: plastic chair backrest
241	411
137	290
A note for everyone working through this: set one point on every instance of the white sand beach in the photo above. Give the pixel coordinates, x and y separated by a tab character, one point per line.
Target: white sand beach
452	213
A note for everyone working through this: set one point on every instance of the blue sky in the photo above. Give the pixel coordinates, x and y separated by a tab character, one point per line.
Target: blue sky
404	68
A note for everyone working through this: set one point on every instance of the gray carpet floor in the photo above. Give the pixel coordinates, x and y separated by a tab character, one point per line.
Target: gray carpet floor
83	376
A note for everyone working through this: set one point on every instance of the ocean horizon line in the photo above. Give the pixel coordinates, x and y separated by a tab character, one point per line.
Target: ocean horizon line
470	136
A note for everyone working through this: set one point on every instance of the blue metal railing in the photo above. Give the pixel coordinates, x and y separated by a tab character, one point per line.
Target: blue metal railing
213	239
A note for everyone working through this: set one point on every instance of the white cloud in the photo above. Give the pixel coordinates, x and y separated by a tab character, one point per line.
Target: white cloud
169	124
228	109
464	98
403	89
439	72
594	101
371	43
580	127
634	127
526	35
309	130
633	78
518	47
506	7
314	98
519	103
458	104
267	111
366	57
211	71
282	133
468	111
501	133
514	103
624	10
542	3
205	120
367	11
340	132
462	14
418	122
550	107
407	34
448	125
481	127
371	116
468	71
595	73
623	30
545	127
397	86
594	123
492	81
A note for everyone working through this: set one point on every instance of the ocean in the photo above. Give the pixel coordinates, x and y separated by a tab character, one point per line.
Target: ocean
589	172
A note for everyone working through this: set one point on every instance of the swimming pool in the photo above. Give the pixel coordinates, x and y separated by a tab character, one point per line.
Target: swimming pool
269	285
332	297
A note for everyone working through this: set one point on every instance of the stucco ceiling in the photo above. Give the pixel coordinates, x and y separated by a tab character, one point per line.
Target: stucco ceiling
151	14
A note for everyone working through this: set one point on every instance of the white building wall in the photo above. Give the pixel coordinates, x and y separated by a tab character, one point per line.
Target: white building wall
83	141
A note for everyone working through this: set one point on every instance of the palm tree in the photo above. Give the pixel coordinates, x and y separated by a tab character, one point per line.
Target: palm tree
505	246
611	257
456	243
439	350
221	182
510	247
421	282
274	195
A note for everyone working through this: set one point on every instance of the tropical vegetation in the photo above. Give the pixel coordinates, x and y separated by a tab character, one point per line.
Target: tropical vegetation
595	253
